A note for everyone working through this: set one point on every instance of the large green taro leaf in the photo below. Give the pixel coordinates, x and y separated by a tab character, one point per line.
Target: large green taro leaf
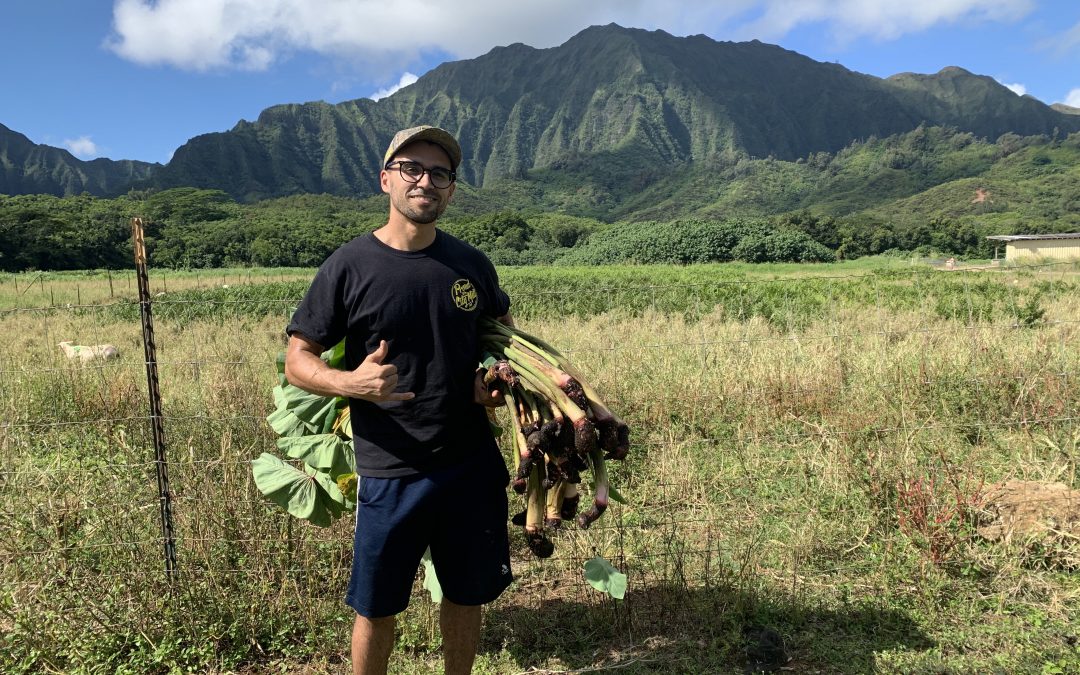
285	423
309	495
431	581
334	357
317	411
328	453
603	577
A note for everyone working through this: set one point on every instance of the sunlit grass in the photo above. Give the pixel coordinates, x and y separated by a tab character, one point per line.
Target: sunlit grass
776	472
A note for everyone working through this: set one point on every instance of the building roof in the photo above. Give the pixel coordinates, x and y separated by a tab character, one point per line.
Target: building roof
1029	237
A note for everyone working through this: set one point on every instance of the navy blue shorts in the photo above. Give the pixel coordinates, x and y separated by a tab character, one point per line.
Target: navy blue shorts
460	512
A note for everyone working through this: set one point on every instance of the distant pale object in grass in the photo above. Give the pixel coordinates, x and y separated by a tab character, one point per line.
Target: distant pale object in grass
88	353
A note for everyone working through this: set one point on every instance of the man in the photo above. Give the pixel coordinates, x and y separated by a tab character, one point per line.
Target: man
407	298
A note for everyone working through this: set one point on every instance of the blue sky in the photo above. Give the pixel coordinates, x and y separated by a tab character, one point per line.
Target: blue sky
135	79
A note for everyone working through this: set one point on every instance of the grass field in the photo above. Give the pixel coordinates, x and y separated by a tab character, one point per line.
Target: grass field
810	448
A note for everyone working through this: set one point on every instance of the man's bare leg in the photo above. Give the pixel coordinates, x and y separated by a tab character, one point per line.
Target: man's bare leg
460	625
372	642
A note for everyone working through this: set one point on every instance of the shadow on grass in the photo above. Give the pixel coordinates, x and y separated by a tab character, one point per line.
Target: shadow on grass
669	629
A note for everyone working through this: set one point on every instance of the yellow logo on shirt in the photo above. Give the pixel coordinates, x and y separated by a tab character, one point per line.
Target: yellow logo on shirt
465	295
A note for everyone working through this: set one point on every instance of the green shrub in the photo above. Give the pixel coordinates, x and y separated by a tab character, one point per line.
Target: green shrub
681	242
781	246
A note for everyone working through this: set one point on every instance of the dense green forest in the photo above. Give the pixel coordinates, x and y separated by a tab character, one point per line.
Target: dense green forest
933	190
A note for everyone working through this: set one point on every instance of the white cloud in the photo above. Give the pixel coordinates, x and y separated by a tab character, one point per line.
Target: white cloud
81	147
406	80
199	34
1073	98
879	19
253	34
1017	88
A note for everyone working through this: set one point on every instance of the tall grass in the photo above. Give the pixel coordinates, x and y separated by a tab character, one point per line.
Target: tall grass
807	457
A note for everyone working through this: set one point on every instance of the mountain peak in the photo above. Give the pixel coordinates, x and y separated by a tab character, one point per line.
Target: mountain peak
954	71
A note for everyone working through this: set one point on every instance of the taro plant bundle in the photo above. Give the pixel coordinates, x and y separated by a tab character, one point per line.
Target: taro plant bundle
561	427
315	430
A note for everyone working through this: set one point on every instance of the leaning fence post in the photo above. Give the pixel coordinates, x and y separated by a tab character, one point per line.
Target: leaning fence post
164	496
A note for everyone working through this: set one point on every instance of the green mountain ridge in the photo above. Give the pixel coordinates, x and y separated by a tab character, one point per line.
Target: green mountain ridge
628	102
615	109
977	103
616	123
29	168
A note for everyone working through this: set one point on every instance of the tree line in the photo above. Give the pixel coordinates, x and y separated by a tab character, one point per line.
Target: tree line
194	228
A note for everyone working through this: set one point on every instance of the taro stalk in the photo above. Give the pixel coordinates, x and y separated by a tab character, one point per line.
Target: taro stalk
536	498
524	455
601	491
614	432
529	465
556	496
536	380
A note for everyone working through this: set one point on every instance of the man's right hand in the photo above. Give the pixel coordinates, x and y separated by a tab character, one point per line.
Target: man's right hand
374	380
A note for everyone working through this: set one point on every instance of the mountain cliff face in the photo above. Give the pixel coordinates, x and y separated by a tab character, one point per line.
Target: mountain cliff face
609	99
624	103
976	103
290	149
29	168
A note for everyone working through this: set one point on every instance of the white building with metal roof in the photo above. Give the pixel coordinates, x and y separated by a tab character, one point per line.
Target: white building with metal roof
1031	246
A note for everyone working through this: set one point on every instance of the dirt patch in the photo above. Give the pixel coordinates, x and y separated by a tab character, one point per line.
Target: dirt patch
1031	511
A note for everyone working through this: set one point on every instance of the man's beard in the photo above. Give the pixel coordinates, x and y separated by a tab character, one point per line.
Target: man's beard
422	215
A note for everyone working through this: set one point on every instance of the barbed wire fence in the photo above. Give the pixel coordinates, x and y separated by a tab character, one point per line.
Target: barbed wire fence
83	505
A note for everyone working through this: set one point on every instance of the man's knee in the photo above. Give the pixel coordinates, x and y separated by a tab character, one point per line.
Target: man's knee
373	629
448	607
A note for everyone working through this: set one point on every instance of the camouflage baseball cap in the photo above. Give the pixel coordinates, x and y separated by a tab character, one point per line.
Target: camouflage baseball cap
435	135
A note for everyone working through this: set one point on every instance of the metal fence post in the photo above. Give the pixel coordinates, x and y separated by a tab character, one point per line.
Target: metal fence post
150	350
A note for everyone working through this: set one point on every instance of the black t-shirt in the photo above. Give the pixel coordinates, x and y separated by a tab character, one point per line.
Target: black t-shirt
426	305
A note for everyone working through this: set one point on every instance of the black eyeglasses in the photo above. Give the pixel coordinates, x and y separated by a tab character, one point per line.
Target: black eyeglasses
413	173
